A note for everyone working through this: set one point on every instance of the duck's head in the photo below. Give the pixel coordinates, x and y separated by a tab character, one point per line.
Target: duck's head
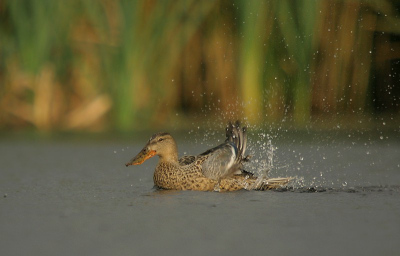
160	144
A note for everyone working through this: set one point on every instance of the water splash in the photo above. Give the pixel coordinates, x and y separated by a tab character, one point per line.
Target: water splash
337	158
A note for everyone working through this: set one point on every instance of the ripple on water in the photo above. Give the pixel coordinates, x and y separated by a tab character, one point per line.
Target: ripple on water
357	189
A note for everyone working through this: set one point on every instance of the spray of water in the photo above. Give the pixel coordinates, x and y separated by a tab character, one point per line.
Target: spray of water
319	163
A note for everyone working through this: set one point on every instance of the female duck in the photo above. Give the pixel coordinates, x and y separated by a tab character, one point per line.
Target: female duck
219	168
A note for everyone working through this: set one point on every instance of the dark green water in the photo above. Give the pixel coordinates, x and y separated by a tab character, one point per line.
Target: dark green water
78	198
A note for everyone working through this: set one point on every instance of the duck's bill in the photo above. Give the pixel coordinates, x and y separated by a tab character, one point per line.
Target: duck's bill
142	156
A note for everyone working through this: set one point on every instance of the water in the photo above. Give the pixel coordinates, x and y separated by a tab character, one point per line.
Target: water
68	198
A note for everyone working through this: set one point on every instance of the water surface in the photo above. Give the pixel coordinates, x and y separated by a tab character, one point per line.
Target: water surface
75	198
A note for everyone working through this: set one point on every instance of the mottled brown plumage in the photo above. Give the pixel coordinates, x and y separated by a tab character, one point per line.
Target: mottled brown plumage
219	169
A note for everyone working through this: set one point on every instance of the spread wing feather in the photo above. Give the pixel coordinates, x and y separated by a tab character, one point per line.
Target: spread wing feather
226	159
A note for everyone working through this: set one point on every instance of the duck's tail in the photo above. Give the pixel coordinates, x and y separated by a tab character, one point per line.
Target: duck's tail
267	184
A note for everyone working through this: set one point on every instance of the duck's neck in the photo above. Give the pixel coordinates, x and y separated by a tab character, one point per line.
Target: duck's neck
169	154
169	158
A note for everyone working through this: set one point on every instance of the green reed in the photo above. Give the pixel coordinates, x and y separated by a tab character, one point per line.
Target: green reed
131	64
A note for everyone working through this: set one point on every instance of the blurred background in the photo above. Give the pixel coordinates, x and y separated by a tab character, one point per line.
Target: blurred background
115	65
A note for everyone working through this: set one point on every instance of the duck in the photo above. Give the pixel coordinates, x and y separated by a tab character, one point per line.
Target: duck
218	169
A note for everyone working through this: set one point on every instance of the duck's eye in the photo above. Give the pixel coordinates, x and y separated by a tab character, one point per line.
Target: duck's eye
160	139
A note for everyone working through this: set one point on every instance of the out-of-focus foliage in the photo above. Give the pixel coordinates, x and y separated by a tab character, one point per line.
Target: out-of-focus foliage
117	64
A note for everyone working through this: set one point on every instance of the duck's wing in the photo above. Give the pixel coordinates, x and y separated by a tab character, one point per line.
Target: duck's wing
227	159
185	160
238	137
220	162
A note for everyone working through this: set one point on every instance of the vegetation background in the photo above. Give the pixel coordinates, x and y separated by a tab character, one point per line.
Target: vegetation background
116	65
